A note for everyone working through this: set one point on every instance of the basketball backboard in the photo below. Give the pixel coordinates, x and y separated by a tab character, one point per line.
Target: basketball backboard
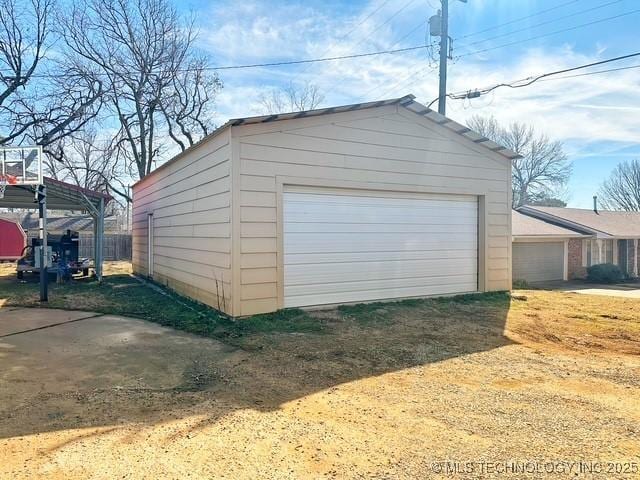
21	165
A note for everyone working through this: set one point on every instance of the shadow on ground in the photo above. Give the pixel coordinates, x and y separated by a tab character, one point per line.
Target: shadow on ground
108	371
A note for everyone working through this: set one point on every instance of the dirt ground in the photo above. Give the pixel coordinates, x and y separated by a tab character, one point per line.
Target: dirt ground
384	391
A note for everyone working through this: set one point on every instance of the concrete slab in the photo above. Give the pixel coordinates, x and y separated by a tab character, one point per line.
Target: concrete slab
100	352
624	290
13	320
611	292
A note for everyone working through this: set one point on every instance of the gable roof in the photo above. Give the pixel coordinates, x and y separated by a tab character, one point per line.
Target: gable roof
525	226
408	101
615	224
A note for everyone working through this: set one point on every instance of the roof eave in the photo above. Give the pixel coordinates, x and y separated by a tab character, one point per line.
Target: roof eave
532	211
558	236
407	101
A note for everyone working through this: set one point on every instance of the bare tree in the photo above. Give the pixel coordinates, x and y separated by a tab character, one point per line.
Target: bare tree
23	33
154	83
546	201
621	191
291	98
41	100
187	112
542	172
90	162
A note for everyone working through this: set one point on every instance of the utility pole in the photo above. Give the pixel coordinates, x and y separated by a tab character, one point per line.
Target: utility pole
444	54
439	27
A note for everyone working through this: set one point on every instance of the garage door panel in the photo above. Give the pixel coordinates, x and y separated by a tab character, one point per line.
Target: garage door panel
369	214
538	261
351	246
314	298
337	196
391	256
350	271
444	226
382	285
380	242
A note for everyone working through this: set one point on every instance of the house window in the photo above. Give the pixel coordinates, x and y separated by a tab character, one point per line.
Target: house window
597	251
608	246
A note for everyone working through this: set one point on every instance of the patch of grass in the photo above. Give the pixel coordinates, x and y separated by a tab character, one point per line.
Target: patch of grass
382	313
122	294
291	320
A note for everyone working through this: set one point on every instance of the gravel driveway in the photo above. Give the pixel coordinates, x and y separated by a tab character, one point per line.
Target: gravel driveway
387	391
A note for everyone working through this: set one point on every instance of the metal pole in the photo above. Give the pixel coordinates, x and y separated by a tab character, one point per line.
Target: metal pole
44	275
444	53
128	206
100	240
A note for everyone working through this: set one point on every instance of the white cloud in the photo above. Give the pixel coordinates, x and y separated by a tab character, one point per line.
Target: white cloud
579	110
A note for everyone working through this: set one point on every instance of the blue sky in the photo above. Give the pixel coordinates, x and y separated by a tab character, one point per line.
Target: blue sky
597	117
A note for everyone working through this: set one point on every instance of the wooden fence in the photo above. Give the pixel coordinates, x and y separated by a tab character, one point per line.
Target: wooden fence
117	246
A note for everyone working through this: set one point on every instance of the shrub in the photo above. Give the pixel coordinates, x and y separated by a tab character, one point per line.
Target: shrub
605	273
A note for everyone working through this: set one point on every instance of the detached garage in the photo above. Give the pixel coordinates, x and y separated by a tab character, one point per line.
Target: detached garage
373	201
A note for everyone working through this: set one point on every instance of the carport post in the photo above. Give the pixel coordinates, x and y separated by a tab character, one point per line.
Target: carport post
99	240
41	197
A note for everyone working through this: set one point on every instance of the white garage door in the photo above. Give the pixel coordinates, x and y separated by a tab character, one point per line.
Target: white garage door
350	246
538	262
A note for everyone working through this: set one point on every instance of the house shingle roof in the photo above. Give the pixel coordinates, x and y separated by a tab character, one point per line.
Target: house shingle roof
616	224
525	226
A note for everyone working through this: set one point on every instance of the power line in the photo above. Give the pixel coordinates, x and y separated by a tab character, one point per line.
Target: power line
413	30
547	22
576	27
258	65
597	72
532	79
361	22
404	7
342	37
385	23
405	82
406	77
511	22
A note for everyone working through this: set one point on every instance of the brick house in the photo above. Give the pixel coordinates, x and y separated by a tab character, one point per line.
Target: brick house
602	237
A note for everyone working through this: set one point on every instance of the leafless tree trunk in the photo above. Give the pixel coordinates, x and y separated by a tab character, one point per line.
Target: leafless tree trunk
621	191
291	98
153	80
542	172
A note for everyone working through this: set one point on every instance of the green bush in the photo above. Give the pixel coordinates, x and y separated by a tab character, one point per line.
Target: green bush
519	284
605	273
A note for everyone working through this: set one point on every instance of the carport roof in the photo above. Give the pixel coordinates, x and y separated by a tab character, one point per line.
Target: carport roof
525	226
60	196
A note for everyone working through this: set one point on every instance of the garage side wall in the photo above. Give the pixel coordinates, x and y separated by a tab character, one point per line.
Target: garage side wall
190	203
387	149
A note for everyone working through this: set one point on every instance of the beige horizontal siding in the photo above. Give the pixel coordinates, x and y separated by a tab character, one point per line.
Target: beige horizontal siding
388	148
190	200
203	246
